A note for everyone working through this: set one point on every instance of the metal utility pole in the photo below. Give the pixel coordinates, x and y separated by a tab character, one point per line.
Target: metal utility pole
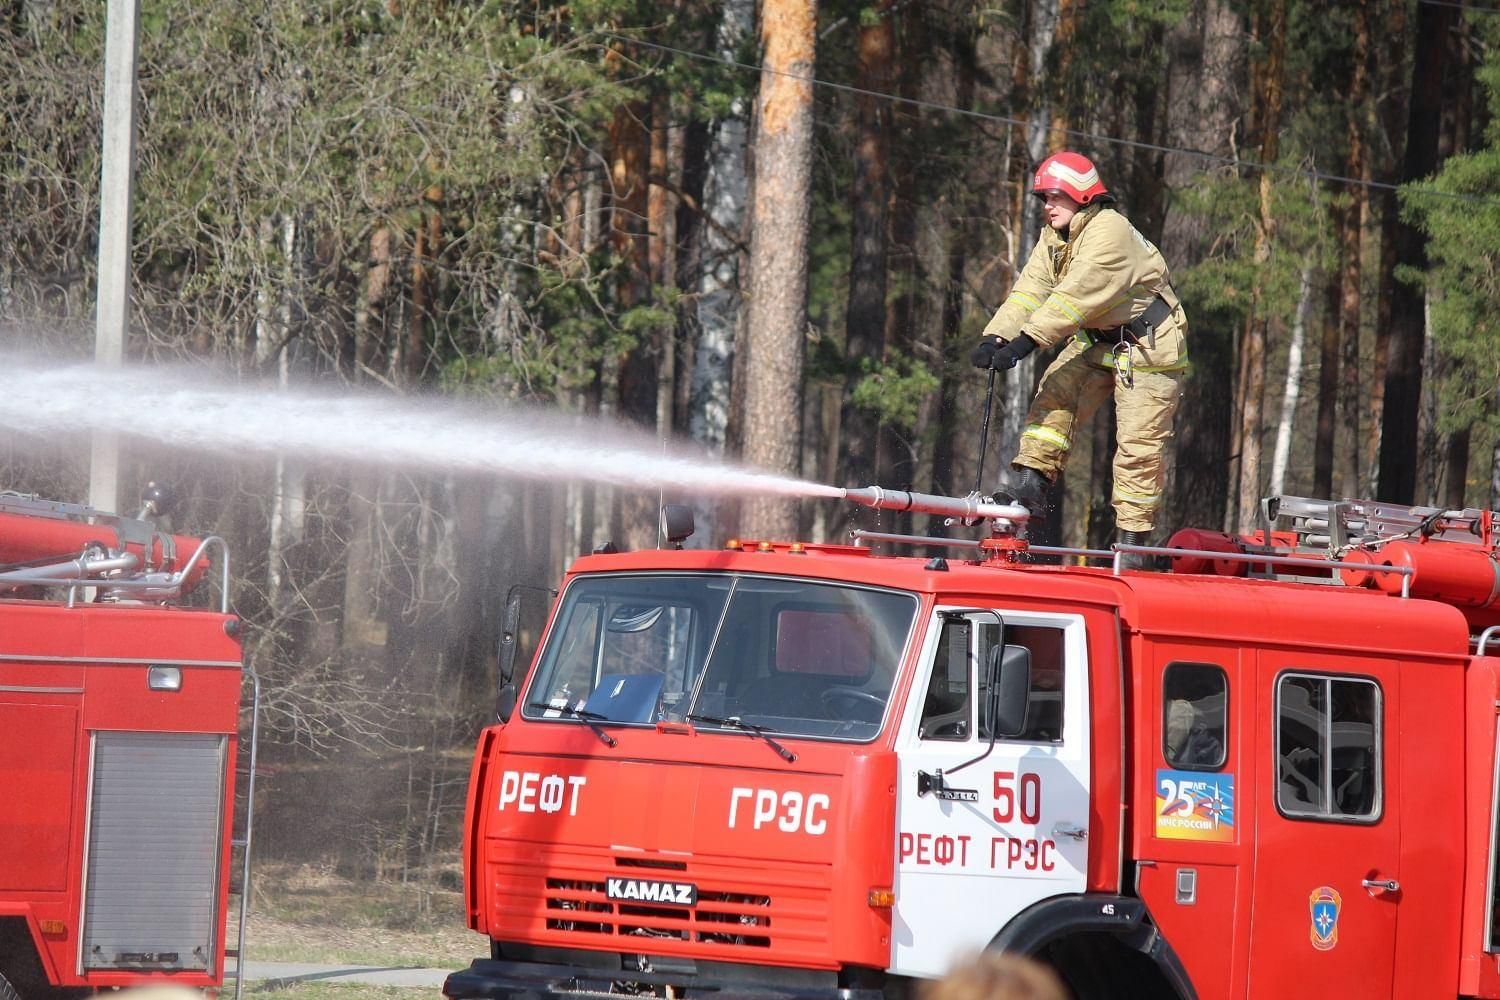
112	306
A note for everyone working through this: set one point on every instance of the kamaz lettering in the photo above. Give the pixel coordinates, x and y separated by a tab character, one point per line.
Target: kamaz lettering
675	893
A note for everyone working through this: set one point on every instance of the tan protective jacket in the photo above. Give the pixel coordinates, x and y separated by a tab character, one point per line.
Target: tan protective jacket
1104	275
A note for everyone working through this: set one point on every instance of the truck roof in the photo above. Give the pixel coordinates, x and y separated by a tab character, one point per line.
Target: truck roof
1201	606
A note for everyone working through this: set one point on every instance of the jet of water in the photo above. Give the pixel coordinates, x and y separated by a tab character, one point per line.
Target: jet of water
180	406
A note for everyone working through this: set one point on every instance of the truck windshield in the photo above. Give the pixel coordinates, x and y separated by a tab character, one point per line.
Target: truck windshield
790	656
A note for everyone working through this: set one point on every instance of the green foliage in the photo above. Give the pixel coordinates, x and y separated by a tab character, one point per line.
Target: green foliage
1229	208
895	389
1459	211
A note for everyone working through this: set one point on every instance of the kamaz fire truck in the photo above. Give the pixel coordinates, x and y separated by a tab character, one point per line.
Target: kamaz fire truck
802	770
119	723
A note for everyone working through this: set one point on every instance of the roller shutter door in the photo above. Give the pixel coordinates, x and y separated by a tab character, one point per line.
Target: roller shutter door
155	830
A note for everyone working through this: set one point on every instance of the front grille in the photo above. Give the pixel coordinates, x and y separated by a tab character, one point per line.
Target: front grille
556	896
719	918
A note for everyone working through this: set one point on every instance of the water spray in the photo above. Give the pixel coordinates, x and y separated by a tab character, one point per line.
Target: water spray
178	406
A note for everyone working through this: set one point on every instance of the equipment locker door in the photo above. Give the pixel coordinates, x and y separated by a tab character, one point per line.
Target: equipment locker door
1326	883
980	844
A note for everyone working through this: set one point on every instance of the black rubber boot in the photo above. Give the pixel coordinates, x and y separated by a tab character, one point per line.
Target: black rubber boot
1034	491
1133	560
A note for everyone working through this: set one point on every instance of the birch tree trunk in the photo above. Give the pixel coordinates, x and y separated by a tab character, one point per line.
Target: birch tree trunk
666	165
779	256
719	299
1293	390
277	322
1013	391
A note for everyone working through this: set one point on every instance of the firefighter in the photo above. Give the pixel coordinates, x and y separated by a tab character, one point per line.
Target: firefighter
1097	283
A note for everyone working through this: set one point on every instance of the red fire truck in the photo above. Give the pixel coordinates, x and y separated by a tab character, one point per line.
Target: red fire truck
119	722
798	770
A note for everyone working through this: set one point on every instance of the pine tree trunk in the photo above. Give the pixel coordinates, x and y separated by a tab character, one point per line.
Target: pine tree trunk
949	78
1456	469
1403	379
869	199
1391	113
631	380
1494	492
1251	395
1326	432
427	247
779	256
1351	403
1205	112
369	317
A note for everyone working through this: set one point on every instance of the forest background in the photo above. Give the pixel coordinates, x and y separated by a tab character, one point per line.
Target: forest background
775	229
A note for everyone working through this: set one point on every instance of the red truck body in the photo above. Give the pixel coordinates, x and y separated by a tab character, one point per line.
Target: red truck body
779	770
119	722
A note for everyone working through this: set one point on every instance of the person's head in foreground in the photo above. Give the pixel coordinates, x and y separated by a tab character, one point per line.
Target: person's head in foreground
991	975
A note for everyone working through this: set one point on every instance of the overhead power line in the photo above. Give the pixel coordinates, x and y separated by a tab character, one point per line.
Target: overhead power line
988	116
1468	7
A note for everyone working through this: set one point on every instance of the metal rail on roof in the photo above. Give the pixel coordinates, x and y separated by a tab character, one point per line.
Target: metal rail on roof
1250	558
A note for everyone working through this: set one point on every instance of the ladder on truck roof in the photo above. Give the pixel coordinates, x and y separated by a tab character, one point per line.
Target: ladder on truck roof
1334	527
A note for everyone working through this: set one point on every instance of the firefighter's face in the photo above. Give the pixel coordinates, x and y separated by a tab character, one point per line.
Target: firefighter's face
1060	210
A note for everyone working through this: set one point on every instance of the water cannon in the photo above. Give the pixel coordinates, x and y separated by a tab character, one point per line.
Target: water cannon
968	510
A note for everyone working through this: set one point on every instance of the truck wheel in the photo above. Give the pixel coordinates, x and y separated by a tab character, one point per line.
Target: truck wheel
7	991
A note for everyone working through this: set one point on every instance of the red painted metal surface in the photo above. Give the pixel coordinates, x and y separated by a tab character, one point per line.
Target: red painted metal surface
26	539
65	674
1247	931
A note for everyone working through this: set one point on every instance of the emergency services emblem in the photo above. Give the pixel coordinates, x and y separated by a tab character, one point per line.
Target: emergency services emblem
1195	805
1324	904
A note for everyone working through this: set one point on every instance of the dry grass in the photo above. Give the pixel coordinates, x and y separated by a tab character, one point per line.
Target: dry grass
304	914
336	991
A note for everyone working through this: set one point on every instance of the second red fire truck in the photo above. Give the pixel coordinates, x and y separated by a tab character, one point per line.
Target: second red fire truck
813	771
119	732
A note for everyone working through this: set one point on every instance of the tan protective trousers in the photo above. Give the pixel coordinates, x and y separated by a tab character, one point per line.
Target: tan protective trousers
1072	388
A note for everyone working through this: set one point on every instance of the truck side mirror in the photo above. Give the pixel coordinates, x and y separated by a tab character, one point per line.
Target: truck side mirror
508	637
1010	689
505	702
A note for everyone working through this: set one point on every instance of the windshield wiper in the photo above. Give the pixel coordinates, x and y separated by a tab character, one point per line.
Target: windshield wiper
590	719
735	722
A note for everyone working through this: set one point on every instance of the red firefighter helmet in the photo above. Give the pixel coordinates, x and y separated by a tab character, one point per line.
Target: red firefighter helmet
1069	174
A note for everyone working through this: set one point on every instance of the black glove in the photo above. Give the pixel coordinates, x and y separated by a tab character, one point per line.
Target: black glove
991	353
984	352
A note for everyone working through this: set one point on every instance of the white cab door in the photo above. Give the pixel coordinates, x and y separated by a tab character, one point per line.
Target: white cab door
981	844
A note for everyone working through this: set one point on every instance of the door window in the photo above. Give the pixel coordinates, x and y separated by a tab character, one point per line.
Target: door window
1328	747
1195	716
963	649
